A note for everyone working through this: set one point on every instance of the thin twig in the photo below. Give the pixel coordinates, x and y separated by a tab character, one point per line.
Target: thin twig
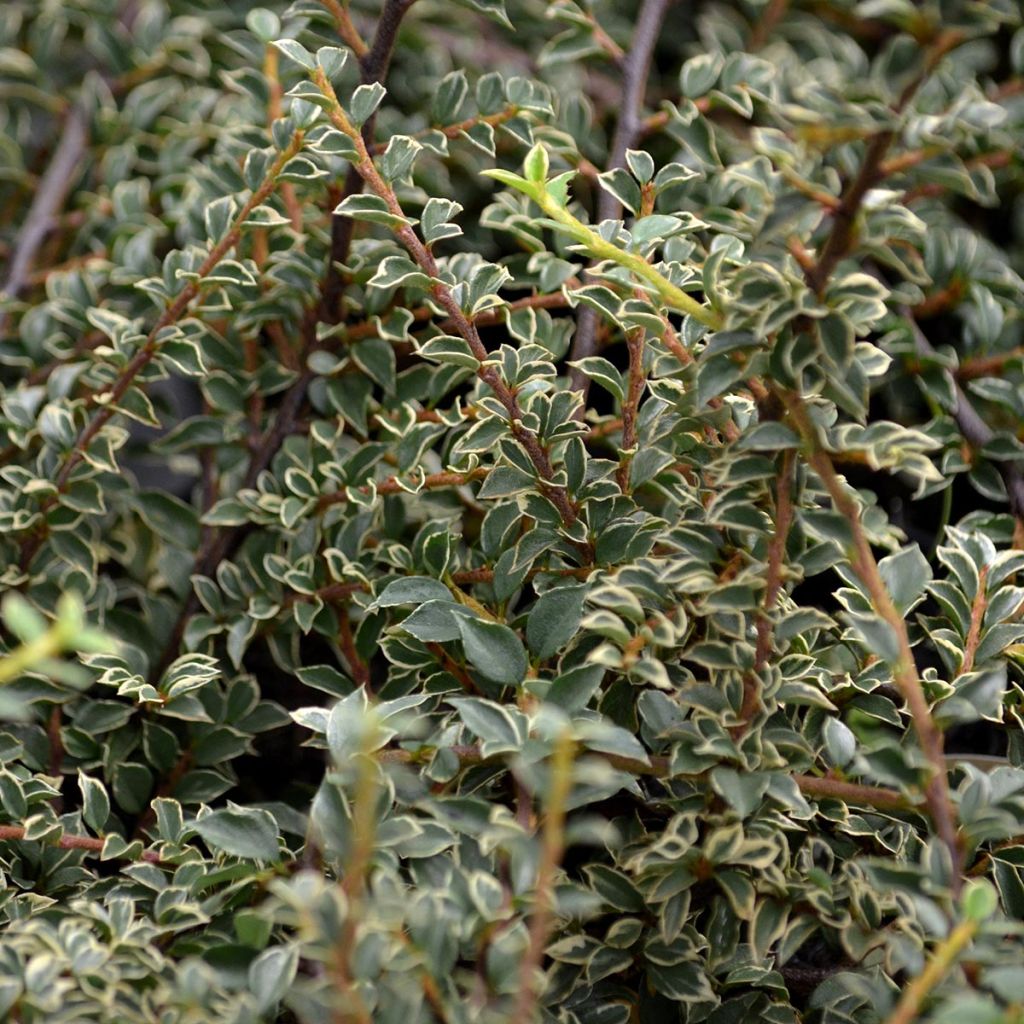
275	94
358	668
940	964
373	67
986	366
852	792
348	32
659	767
452	131
776	555
978	606
773	584
635	71
66	842
611	48
631	405
53	727
905	674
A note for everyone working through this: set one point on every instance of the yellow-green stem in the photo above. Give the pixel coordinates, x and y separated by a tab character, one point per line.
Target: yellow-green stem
936	969
671	294
23	658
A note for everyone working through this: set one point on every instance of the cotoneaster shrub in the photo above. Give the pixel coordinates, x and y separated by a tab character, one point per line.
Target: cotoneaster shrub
512	511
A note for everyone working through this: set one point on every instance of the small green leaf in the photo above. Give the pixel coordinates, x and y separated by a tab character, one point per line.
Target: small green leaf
768	437
435	222
494	650
512	180
332	59
449	349
906	574
263	24
742	791
500	727
434	622
572	690
297	52
246	832
412	590
876	634
979	900
95	802
399	271
271	975
535	166
554	620
373	209
365	101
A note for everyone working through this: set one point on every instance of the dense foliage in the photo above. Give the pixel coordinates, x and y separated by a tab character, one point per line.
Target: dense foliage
512	510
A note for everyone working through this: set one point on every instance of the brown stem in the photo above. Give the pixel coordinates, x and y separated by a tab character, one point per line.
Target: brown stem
373	67
489	374
166	788
853	792
978	606
840	238
453	667
432	994
275	93
348	32
776	555
251	357
772	15
151	347
358	668
809	189
659	767
941	300
987	366
905	161
53	727
999	158
452	131
773	584
66	842
612	50
905	675
631	406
